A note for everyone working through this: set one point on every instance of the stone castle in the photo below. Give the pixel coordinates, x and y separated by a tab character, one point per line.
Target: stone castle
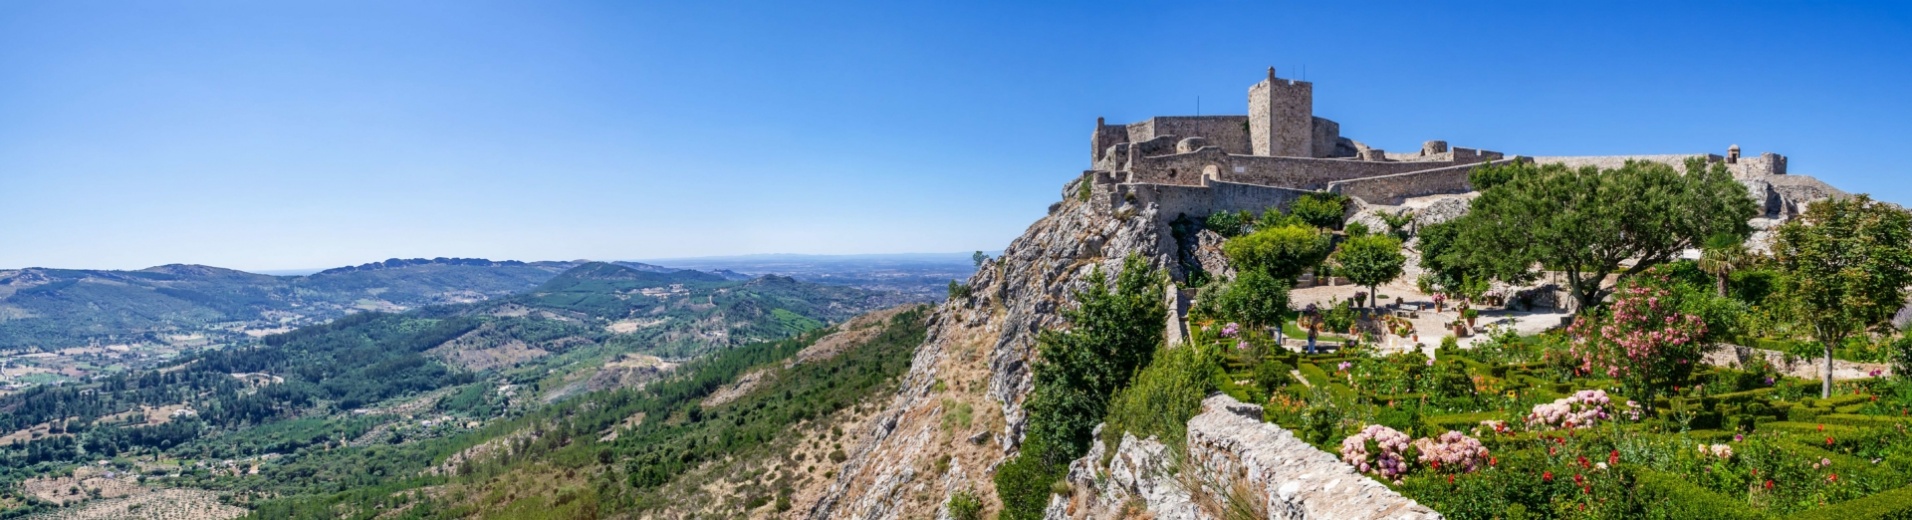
1194	165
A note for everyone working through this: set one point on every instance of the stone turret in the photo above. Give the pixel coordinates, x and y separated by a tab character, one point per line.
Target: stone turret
1281	117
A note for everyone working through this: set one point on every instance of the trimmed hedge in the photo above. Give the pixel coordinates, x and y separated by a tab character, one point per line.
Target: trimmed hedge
1673	498
1890	505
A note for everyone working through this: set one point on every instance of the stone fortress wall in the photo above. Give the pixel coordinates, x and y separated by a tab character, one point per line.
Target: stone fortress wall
1194	165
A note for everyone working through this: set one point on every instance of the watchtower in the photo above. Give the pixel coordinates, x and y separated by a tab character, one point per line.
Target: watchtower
1281	117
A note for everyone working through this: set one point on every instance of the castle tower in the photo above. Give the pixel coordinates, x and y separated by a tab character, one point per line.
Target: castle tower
1281	117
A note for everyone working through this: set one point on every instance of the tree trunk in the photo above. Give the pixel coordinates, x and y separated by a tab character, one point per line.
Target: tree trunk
1588	300
1825	390
1722	283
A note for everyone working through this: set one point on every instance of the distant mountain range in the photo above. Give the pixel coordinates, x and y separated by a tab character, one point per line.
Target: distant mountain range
44	308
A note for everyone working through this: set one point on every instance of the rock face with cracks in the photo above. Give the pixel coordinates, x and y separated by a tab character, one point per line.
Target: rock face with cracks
908	464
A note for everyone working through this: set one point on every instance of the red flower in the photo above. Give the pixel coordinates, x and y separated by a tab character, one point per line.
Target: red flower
1546	476
1613	458
1450	479
1577	479
1828	441
1583	462
1822	427
1832	477
1491	461
1755	472
1550	451
1769	484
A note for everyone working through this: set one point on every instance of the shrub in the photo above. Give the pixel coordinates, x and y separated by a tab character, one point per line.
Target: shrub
1645	341
1322	210
1023	481
1357	229
1163	397
1452	452
1228	223
1282	252
964	505
1377	450
1583	409
1254	298
1271	374
958	291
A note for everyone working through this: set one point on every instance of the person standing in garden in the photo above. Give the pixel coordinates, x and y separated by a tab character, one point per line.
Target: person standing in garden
1313	326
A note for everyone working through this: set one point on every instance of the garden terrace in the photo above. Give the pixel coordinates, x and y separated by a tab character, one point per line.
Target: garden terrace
1733	444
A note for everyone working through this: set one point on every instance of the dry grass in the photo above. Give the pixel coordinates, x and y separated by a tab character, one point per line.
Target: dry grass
161	504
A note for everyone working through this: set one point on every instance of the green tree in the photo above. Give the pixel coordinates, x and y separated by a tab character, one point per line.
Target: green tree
1322	210
1723	254
1847	262
1370	260
1282	252
1588	223
978	257
1111	335
1255	299
1399	223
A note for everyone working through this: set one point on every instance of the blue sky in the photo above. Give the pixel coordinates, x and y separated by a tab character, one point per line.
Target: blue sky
284	135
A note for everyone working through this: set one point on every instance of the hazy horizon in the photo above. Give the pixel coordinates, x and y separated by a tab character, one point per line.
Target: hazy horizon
284	136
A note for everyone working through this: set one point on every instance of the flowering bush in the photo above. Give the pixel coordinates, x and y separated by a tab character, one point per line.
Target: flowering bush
1580	410
1377	450
1645	341
1452	452
1721	451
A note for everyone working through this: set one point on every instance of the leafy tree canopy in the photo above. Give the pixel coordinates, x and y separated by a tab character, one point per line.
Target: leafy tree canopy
1370	260
1281	252
1588	223
1254	299
1322	210
1847	263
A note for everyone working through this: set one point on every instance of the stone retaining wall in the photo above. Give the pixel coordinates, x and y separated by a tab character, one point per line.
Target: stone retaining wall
1392	190
1230	450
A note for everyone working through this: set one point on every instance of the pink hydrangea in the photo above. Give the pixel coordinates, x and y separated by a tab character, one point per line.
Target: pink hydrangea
1384	459
1581	410
1452	452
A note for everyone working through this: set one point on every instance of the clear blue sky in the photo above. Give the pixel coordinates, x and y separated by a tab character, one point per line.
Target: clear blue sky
281	135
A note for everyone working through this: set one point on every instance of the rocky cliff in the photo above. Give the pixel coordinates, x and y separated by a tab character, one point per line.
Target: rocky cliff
959	411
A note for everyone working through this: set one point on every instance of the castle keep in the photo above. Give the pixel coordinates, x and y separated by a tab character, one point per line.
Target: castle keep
1195	165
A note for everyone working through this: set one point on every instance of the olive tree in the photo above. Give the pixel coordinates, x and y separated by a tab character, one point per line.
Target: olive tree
1588	223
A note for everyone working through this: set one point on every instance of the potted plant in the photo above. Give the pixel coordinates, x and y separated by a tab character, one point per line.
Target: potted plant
1470	314
1460	329
1440	302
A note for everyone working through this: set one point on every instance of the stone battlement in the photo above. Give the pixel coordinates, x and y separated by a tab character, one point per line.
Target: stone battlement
1281	145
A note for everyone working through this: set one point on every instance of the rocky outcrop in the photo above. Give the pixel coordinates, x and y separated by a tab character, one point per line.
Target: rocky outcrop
1232	458
1903	319
1205	252
1809	368
1011	299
